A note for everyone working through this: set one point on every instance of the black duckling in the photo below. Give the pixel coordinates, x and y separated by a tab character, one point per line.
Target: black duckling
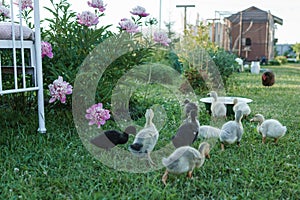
110	138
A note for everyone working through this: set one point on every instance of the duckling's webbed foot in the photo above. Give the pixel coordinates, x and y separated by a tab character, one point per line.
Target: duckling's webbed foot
207	156
238	143
222	146
190	174
164	177
150	160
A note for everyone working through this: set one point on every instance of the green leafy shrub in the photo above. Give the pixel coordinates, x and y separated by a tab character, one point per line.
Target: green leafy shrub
274	62
204	65
167	57
281	59
196	78
71	42
119	67
225	62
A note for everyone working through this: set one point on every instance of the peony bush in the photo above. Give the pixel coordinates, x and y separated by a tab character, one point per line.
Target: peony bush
71	36
68	37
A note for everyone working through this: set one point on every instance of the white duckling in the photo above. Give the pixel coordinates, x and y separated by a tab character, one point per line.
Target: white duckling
187	132
269	128
232	131
243	106
185	159
218	108
145	139
207	132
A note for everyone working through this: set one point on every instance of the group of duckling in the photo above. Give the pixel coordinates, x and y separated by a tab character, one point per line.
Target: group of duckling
185	157
232	131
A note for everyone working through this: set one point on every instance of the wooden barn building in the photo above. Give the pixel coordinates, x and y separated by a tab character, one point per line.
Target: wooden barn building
249	34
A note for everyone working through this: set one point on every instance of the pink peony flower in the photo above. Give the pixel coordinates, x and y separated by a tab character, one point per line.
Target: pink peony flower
128	25
140	11
59	89
46	49
97	115
97	4
161	38
25	4
4	11
87	18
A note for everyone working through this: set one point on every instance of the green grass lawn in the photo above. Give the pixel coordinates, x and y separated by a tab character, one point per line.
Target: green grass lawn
57	165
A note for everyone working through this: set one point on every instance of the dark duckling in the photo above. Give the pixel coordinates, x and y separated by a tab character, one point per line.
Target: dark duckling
187	132
110	138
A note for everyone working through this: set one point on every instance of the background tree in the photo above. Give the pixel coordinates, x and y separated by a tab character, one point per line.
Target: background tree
296	49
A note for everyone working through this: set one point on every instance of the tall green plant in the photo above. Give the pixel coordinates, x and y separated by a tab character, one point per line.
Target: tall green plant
198	36
71	42
120	66
205	65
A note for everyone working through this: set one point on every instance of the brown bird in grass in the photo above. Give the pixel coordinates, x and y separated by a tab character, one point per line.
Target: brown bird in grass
268	78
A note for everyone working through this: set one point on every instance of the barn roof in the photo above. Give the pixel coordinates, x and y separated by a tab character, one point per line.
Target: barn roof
253	14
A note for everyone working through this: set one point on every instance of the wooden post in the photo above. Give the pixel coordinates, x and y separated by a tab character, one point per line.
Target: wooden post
213	30
241	34
267	53
185	6
159	22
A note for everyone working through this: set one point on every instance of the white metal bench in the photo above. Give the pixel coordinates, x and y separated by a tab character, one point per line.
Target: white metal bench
23	64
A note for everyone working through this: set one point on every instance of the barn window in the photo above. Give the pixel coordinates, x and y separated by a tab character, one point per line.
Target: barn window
248	42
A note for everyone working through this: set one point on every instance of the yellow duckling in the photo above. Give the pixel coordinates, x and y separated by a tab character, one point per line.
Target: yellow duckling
185	159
